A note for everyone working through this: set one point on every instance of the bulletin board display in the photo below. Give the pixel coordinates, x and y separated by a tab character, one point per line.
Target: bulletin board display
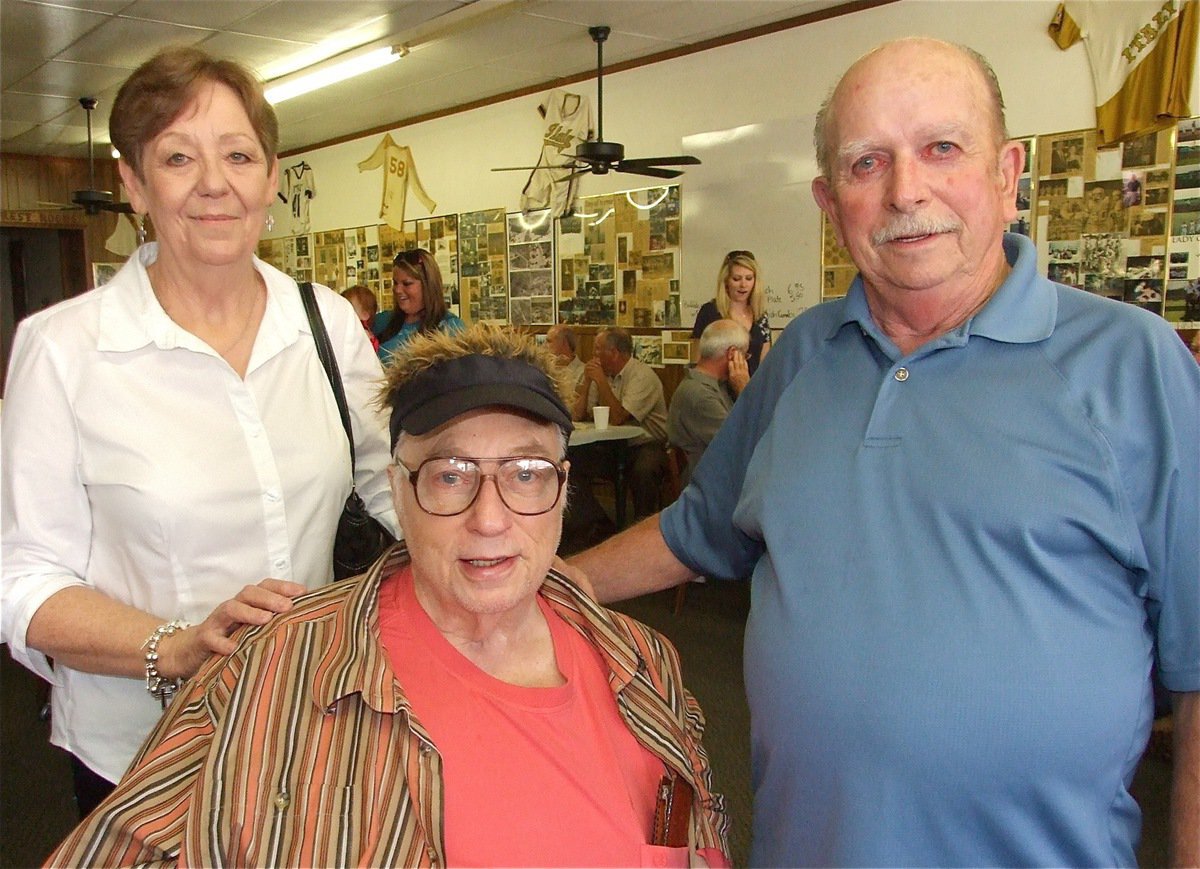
1102	215
619	259
1122	222
531	268
482	264
291	255
439	236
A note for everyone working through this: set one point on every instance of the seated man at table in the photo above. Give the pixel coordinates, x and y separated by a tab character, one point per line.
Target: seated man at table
706	395
562	341
461	703
634	396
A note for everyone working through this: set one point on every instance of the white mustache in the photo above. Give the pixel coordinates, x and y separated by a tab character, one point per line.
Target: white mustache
911	225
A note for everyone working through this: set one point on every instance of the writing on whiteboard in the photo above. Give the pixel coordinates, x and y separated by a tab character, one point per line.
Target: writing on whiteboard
786	301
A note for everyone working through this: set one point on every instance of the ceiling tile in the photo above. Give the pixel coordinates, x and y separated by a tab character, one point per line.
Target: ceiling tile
215	14
35	108
64	79
256	52
14	67
129	42
41	30
313	20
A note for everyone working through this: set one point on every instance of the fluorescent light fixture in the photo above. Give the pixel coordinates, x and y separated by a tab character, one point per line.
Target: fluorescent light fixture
311	81
649	205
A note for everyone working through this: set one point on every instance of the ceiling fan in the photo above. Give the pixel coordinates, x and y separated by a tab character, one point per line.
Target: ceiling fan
598	157
91	200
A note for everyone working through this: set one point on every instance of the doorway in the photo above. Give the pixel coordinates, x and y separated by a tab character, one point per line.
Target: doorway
38	268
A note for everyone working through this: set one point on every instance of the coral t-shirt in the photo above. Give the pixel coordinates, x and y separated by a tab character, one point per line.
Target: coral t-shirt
533	776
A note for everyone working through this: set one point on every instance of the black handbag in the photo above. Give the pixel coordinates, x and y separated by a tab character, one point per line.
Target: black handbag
360	538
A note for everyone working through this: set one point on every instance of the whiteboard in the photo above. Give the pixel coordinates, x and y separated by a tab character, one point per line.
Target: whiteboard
752	191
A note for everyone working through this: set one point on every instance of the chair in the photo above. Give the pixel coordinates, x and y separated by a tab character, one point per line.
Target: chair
673	486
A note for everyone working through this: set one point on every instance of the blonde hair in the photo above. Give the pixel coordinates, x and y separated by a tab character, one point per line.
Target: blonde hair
745	259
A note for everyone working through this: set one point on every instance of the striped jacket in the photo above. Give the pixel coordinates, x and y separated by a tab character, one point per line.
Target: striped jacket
301	749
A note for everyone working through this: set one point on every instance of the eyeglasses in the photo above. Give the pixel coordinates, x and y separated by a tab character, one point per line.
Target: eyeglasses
449	485
736	254
413	259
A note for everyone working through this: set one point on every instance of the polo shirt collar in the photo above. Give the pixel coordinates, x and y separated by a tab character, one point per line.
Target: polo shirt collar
1022	311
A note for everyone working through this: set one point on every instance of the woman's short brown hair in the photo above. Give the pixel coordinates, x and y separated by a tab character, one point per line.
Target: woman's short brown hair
162	87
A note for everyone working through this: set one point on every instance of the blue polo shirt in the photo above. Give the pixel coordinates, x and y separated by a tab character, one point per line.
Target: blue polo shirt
964	561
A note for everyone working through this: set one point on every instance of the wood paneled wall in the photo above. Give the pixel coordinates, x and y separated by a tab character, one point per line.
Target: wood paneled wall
28	181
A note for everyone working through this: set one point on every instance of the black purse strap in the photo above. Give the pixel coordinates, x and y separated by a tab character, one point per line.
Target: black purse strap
328	361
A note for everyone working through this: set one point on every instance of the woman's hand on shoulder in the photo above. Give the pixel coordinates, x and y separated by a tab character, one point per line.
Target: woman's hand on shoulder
183	653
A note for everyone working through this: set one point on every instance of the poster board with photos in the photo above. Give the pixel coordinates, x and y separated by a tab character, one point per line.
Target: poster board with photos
1122	222
531	268
482	256
291	254
1183	249
439	236
619	259
1099	227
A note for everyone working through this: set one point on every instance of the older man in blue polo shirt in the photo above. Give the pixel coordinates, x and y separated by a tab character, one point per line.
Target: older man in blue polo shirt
968	499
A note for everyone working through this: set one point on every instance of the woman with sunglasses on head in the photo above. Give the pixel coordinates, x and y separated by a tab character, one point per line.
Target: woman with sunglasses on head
739	298
418	303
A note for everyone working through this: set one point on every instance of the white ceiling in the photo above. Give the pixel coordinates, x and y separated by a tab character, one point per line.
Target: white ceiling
54	51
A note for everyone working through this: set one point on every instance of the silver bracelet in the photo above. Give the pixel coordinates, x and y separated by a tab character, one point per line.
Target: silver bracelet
156	684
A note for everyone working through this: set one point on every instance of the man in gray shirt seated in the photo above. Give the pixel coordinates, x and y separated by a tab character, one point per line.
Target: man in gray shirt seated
706	395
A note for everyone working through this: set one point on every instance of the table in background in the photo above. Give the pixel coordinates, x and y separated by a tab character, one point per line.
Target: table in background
612	443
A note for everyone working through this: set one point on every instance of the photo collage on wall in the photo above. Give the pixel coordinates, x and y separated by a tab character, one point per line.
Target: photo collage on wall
1023	222
1102	214
482	253
531	268
619	259
837	269
1183	254
290	255
1123	222
439	236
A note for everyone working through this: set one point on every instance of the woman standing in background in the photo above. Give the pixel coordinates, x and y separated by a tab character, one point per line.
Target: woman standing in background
419	303
739	298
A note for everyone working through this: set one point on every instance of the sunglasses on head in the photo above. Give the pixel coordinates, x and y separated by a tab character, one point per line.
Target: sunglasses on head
739	254
411	257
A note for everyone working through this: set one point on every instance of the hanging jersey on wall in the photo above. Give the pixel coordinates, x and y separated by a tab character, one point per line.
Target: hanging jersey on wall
399	174
1143	59
300	187
568	122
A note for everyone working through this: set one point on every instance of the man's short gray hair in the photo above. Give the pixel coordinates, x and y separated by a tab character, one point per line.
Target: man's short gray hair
616	338
719	335
821	129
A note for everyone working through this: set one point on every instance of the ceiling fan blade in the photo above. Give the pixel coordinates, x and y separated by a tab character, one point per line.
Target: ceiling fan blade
59	206
570	166
647	170
681	160
119	208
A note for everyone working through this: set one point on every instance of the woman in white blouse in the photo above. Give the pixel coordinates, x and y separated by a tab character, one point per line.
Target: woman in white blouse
172	454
